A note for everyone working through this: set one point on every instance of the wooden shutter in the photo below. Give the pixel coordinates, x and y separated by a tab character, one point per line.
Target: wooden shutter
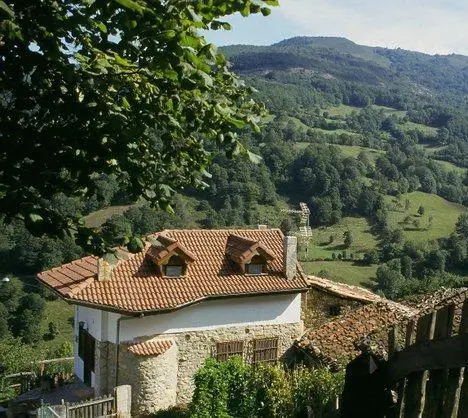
81	342
265	349
228	349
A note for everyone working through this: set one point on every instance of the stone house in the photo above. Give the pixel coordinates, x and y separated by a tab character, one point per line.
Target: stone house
152	318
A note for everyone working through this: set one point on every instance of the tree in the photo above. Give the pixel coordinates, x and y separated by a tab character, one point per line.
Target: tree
390	281
348	238
4	330
129	89
286	226
462	225
421	210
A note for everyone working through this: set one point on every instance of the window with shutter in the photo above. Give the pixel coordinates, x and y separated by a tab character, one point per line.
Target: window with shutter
265	349
227	349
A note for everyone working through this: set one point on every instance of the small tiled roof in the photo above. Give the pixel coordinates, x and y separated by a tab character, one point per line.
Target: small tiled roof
136	285
343	290
240	249
150	348
164	247
335	340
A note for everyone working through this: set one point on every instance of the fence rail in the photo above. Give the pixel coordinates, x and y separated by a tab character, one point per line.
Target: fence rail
427	370
97	408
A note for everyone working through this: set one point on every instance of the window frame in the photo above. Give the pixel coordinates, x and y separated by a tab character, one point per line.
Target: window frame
256	261
178	263
227	349
265	350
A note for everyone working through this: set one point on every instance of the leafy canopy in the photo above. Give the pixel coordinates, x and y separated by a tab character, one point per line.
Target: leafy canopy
122	87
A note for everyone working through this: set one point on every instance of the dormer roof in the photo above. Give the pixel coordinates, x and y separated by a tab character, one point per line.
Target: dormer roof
163	248
136	286
241	249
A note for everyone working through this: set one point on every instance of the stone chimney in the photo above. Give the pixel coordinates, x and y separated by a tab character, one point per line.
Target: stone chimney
104	270
290	256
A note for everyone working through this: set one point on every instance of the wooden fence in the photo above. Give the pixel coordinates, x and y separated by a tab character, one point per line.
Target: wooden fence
101	407
426	375
97	408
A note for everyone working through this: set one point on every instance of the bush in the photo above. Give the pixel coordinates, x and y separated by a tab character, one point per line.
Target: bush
53	330
234	389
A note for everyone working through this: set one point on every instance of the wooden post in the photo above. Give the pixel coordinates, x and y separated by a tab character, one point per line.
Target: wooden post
461	401
393	348
416	386
437	382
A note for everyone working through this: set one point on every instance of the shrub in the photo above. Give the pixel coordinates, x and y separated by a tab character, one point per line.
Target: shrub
234	389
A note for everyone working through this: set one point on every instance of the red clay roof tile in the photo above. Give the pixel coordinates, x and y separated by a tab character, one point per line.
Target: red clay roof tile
150	348
136	285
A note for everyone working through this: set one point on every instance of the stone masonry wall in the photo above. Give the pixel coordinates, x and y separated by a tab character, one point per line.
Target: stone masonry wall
165	380
195	347
153	380
319	307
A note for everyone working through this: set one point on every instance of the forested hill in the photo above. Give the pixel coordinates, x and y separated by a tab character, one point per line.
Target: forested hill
344	60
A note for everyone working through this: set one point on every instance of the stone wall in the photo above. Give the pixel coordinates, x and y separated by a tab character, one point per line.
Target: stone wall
162	381
153	379
319	307
195	347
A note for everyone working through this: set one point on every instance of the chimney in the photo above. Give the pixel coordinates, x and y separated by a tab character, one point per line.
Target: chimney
104	270
289	256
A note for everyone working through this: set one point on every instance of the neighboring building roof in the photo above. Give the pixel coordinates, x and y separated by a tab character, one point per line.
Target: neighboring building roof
334	342
343	290
136	286
150	348
440	298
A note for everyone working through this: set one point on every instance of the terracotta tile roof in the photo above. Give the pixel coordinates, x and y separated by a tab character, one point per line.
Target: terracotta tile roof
334	342
343	290
73	277
136	284
150	348
442	297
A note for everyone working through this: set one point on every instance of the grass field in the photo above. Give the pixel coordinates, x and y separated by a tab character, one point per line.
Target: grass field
61	313
444	214
354	150
343	271
321	247
96	219
341	110
409	126
451	167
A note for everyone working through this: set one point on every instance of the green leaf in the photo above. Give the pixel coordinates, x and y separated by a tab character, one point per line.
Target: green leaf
265	11
34	217
6	9
254	158
102	27
238	123
132	5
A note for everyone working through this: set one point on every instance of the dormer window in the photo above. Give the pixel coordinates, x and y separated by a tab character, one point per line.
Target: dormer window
251	256
256	266
170	257
175	267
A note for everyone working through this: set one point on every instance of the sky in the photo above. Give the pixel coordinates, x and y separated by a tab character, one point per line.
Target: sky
431	26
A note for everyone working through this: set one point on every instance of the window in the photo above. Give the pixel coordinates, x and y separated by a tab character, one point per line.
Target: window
175	267
228	349
256	265
334	310
265	349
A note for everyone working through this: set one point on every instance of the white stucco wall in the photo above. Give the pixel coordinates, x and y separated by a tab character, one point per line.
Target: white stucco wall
264	310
